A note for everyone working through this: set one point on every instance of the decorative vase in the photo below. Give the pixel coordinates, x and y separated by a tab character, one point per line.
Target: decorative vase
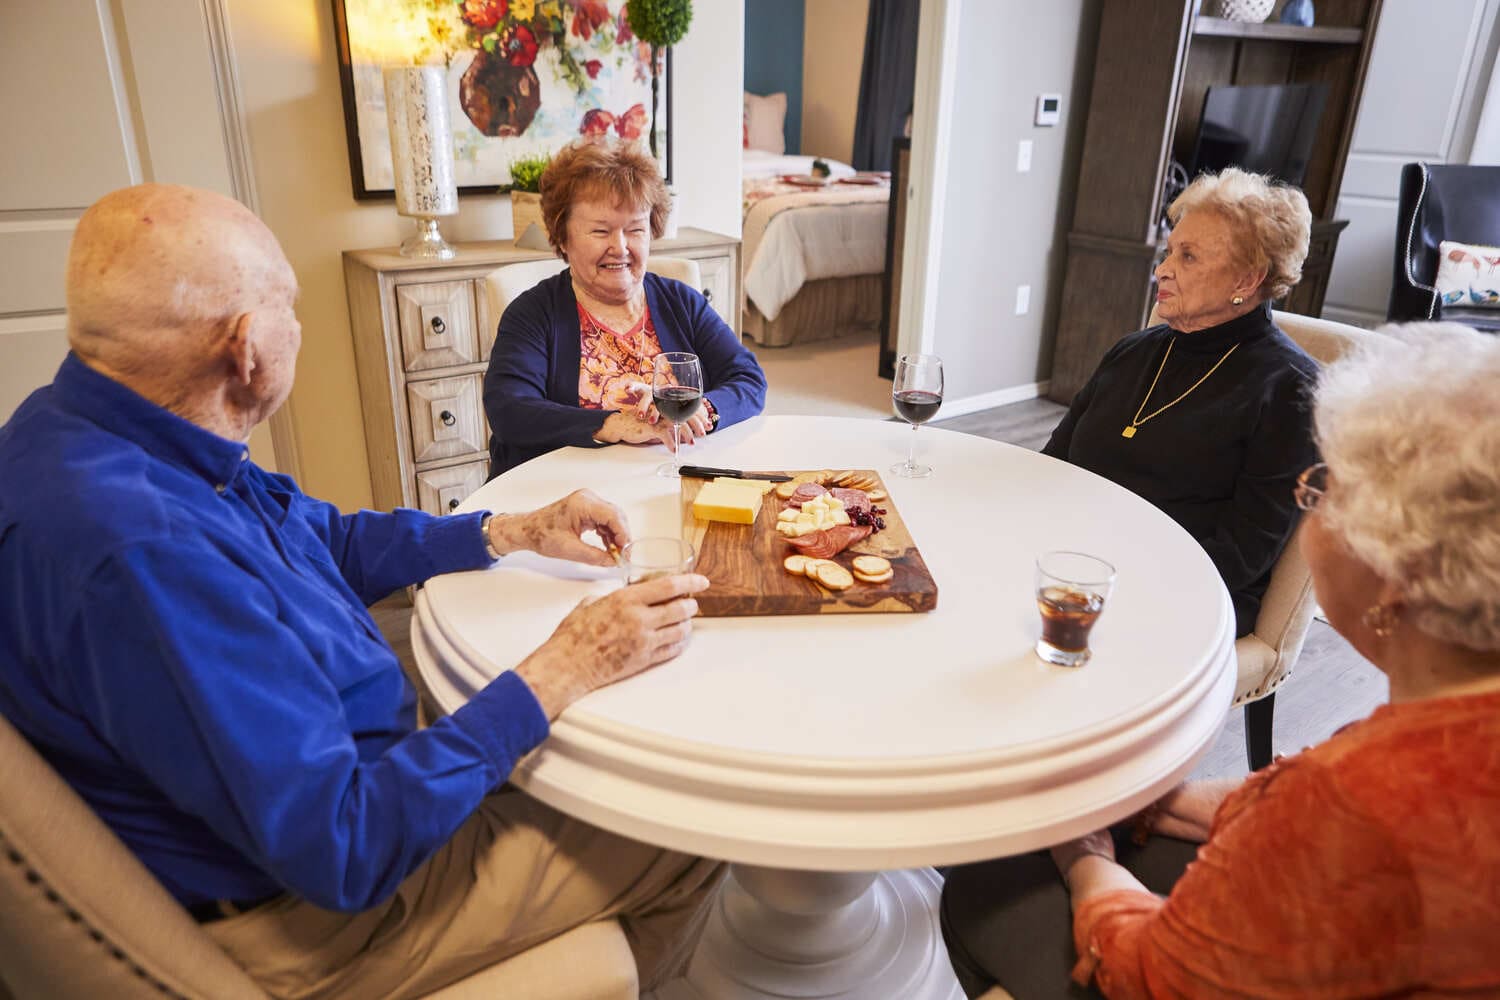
526	210
669	228
500	99
1298	12
421	155
1247	11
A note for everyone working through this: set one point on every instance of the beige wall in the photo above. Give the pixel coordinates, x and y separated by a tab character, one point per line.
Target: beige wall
833	48
289	79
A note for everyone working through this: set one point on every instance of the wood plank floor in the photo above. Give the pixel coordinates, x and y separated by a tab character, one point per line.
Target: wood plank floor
1331	686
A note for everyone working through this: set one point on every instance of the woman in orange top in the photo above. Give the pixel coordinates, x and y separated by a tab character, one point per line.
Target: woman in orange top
1368	866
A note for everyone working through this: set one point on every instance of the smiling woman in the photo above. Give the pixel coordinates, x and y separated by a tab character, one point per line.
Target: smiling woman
573	357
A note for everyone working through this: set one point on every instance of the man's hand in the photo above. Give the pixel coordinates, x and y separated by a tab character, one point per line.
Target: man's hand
612	638
554	530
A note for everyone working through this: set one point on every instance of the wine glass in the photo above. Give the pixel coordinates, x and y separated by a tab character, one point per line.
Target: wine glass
677	391
917	394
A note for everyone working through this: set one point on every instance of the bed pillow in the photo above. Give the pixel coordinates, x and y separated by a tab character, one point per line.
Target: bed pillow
764	117
1468	275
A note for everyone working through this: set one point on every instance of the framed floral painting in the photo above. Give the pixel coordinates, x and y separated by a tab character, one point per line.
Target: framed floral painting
525	77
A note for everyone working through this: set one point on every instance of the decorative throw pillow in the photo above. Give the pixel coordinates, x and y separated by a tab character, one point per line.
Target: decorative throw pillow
1468	275
764	117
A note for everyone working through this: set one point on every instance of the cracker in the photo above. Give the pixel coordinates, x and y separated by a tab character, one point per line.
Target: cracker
810	568
875	578
796	563
871	565
835	577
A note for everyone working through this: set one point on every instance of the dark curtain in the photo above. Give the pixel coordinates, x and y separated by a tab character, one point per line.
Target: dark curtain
886	82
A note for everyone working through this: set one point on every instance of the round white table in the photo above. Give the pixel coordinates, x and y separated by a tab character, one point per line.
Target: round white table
831	758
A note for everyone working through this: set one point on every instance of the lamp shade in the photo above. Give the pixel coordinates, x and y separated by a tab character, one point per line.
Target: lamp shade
416	107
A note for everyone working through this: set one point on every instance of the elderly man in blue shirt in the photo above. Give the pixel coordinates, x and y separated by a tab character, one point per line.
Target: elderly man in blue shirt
184	636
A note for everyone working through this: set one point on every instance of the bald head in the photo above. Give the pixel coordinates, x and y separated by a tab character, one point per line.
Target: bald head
163	280
158	266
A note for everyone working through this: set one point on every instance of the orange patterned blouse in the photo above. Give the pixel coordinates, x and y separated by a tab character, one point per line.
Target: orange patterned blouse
614	369
1368	866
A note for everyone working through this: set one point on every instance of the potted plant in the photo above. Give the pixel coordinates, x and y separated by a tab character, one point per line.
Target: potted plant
525	194
660	24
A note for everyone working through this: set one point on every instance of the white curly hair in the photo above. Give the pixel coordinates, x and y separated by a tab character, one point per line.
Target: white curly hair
1271	220
1409	424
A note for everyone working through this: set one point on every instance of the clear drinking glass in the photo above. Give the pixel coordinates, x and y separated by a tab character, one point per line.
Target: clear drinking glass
916	394
677	391
1071	589
648	558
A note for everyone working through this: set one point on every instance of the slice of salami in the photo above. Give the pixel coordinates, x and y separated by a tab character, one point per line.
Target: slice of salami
804	493
853	499
830	542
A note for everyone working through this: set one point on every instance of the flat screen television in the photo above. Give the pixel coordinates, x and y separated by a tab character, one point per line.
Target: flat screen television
1263	129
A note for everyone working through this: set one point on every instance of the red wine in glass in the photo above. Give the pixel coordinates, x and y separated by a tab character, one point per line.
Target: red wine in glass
677	402
917	406
677	391
916	395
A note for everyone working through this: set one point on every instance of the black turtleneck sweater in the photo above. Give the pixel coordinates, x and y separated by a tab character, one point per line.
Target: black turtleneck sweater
1223	461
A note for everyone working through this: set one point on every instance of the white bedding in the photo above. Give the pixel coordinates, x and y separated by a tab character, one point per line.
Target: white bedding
759	164
801	244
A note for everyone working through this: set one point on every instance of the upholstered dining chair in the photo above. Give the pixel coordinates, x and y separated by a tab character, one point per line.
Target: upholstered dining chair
1265	657
504	284
80	917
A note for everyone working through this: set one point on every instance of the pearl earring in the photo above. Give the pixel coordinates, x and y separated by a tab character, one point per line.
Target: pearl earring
1237	299
1380	619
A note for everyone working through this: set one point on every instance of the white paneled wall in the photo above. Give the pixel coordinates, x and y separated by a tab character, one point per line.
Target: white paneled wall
1428	79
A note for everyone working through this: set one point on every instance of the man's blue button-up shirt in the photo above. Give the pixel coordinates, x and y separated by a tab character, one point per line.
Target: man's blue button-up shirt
183	636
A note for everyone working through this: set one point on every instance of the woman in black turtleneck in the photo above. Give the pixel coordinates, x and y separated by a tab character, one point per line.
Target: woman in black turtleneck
1207	415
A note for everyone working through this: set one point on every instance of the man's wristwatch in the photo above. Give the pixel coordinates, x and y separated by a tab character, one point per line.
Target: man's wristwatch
489	543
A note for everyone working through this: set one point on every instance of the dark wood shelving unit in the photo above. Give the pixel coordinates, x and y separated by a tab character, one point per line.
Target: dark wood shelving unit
1275	31
1153	66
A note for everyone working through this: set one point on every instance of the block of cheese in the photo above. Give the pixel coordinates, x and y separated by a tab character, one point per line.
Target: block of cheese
727	501
754	484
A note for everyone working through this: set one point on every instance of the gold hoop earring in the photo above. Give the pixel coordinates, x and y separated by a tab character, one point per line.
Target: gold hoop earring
1238	299
1380	619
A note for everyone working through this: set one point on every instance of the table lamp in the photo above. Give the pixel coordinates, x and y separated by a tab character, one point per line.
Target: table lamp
416	107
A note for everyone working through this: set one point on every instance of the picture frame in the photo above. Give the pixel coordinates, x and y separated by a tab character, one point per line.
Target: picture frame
519	86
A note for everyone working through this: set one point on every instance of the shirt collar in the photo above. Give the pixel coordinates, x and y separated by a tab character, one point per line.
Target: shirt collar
1251	326
120	410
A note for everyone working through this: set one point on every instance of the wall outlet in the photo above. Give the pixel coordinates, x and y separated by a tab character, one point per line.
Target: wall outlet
1023	300
1023	157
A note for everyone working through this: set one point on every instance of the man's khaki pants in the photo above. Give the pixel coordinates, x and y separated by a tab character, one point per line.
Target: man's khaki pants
515	874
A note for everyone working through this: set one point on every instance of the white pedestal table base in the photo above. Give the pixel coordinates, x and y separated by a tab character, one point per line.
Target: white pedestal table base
776	934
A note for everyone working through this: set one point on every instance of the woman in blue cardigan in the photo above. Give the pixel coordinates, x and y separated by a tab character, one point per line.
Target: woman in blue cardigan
572	359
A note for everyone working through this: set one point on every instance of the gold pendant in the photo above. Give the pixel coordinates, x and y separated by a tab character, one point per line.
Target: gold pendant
1128	432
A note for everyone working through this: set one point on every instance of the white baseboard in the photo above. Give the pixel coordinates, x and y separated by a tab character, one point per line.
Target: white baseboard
989	400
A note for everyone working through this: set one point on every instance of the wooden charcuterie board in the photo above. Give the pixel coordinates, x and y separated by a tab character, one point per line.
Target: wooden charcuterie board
745	564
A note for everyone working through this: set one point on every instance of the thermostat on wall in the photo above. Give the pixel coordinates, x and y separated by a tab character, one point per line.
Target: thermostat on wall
1048	108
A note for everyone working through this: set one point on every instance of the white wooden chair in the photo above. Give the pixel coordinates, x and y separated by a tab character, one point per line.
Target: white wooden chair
80	916
1266	656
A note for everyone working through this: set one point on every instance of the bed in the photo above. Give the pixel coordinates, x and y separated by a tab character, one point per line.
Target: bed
814	256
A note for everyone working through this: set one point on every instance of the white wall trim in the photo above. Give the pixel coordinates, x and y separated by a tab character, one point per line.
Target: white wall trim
236	133
926	184
989	400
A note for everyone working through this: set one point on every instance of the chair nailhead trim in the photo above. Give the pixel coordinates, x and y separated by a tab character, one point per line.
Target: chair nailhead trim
34	877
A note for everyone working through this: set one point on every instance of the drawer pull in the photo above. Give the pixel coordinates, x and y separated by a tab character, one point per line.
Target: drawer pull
447	418
453	504
708	295
438	326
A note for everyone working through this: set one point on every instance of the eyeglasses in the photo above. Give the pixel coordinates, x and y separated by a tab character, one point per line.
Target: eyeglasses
1312	487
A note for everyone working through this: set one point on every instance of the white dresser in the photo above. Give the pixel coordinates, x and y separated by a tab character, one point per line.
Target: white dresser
422	338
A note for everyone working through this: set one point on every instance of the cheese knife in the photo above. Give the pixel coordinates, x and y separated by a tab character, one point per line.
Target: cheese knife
704	472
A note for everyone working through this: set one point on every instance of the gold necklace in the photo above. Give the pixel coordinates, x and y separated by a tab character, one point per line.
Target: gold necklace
1137	420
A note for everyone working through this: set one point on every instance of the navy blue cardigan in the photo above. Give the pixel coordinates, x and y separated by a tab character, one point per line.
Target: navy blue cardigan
531	387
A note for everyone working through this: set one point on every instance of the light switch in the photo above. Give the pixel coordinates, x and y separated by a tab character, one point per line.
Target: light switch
1023	299
1023	157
